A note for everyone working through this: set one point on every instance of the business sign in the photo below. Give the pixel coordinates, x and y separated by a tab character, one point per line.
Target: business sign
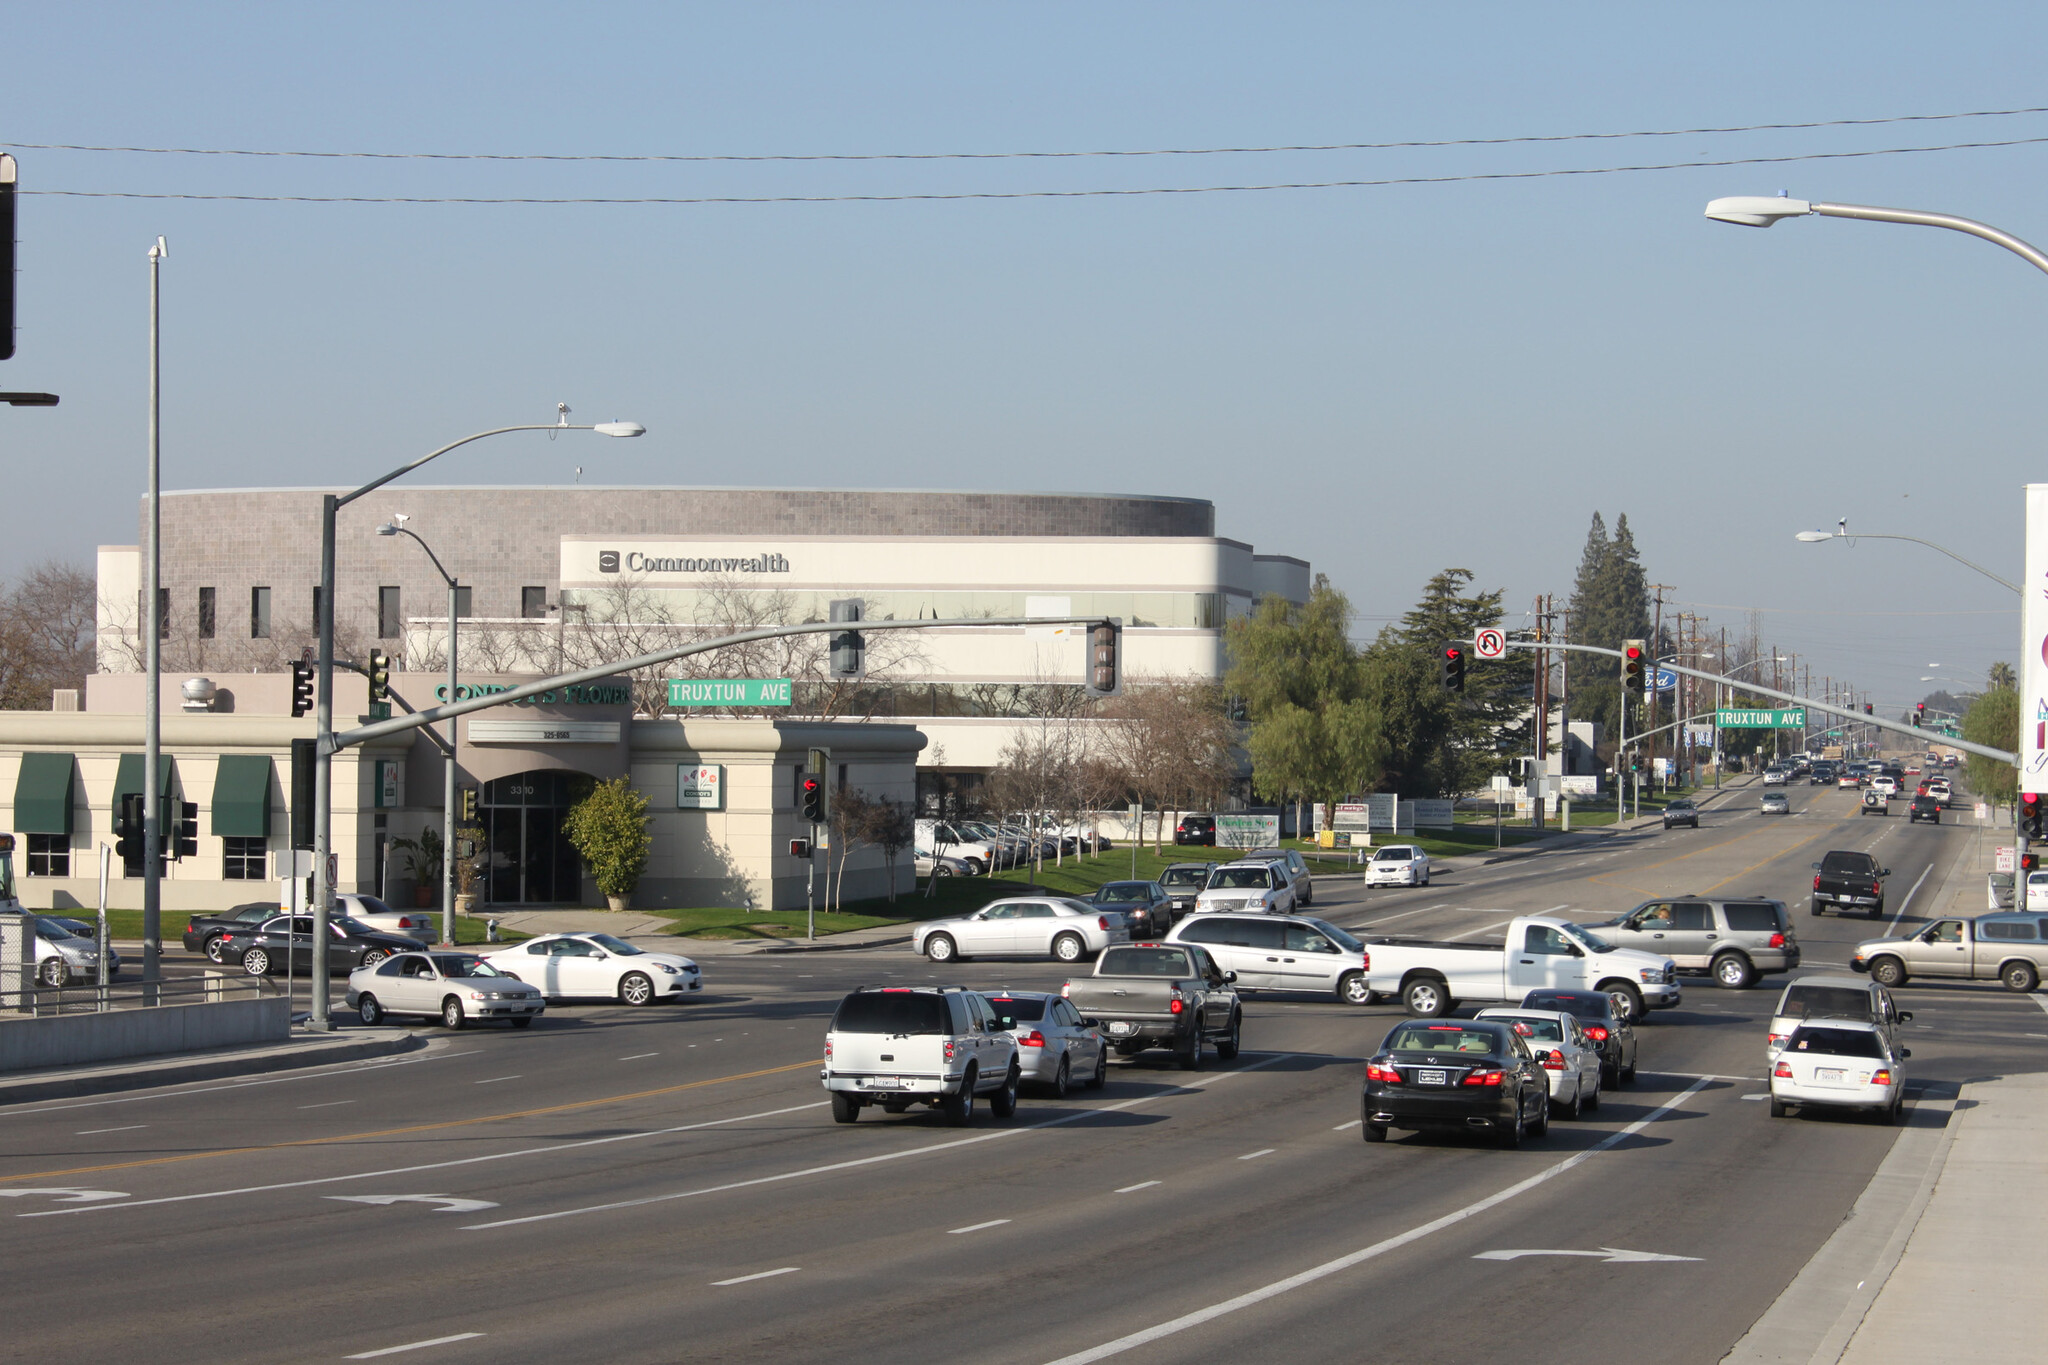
1247	831
543	732
632	561
728	692
1430	814
700	786
390	783
2033	753
1666	680
1764	718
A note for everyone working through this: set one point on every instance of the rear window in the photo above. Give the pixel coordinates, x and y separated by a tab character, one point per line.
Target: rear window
1023	1011
1835	1042
1241	878
1849	864
1820	1002
1750	917
1538	1030
892	1012
1143	962
1442	1038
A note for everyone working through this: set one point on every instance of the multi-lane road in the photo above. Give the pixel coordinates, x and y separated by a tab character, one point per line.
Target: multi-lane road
667	1184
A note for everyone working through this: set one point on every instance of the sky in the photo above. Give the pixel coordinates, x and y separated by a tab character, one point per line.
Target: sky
1386	380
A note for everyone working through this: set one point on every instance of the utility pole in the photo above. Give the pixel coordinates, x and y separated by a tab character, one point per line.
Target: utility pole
1656	652
1721	699
1564	695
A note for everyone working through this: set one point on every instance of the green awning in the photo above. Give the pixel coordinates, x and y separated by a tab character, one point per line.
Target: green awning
42	794
128	777
241	796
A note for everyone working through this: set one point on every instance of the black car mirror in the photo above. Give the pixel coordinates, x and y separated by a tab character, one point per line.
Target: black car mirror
1816	867
1575	950
1906	1017
1091	1023
1905	1052
1885	873
1230	976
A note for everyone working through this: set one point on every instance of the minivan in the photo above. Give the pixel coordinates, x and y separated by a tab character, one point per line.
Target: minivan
1282	953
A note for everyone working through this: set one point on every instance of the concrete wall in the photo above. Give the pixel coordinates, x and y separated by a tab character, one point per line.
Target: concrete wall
77	1039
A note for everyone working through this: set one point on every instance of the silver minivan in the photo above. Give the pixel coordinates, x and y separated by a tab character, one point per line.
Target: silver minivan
1282	953
1735	939
1814	998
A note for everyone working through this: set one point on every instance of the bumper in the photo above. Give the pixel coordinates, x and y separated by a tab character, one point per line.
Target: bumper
1858	965
1404	1107
1038	1063
1407	876
1838	1097
880	1087
1858	902
679	985
502	1009
1662	997
1150	1032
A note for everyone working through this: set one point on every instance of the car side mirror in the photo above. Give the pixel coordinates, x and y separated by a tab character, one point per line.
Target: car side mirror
1885	873
1906	1016
1905	1052
1091	1023
1816	867
600	955
1575	950
1230	976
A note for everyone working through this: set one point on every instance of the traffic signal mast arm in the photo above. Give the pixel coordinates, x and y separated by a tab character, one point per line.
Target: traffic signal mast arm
1845	712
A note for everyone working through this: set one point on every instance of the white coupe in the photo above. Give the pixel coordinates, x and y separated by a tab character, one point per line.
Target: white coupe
598	967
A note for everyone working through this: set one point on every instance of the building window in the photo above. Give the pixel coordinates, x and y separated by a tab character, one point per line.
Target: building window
206	613
462	603
387	614
163	613
316	609
244	858
49	855
533	602
259	613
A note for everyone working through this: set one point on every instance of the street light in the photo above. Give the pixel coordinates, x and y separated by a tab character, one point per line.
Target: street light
323	773
396	527
1842	533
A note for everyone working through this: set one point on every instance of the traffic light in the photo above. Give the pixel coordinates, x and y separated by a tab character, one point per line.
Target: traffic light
465	803
187	845
1919	714
849	651
128	827
1452	664
1104	677
302	688
2030	862
811	787
1633	657
2030	814
1869	709
380	677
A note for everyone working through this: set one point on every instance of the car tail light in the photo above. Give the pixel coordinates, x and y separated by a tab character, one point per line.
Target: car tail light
1596	1032
1487	1076
1777	1038
1032	1039
1881	1078
1176	1005
949	1049
1783	1071
1102	923
1386	1075
1876	890
1066	989
828	1049
1816	881
1777	940
1553	1060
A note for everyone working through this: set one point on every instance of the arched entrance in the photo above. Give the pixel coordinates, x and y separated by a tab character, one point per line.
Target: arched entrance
530	860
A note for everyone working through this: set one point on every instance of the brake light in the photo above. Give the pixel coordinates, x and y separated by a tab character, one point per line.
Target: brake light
1102	923
1553	1060
1365	961
1066	989
1881	1078
1777	940
1032	1039
1489	1076
1783	1071
828	1049
1816	881
1597	1032
1777	1038
1386	1075
1876	890
949	1049
1177	1004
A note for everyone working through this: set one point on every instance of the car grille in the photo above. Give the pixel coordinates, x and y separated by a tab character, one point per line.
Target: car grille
1237	904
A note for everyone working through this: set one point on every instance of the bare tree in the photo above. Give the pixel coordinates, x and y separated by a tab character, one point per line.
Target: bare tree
1172	741
46	635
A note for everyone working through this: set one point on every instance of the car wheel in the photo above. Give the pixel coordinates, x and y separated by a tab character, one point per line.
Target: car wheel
1874	912
212	949
1068	947
1778	1107
959	1108
1227	1049
940	948
1540	1126
1888	972
1003	1102
1511	1137
845	1108
1733	971
1628	1001
1101	1076
54	972
1187	1052
368	1010
1592	1101
373	957
256	962
1813	908
942	871
451	1013
1062	1080
1375	1132
1610	1076
636	988
1353	990
1425	998
1628	1073
2020	976
1896	1114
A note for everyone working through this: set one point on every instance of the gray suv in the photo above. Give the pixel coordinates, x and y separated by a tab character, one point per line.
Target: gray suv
1735	939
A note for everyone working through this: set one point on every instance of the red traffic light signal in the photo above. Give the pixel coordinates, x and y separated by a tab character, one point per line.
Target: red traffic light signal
1452	664
1634	656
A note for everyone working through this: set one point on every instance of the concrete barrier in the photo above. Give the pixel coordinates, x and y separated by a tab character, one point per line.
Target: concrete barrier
76	1039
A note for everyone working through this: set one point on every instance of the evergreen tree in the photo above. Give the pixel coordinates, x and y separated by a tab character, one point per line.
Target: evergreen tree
1610	603
1458	742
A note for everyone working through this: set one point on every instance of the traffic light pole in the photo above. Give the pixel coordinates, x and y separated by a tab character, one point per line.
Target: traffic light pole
153	663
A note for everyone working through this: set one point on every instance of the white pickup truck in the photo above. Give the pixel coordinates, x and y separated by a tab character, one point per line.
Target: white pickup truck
1541	954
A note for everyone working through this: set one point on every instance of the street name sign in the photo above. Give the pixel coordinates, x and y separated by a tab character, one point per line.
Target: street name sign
1742	718
728	692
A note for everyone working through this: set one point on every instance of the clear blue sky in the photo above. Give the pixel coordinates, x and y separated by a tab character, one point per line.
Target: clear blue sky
1386	381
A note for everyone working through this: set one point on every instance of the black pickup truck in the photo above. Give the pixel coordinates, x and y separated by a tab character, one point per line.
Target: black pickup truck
1844	881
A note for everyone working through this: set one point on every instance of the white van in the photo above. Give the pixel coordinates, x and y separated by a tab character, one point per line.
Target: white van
1282	953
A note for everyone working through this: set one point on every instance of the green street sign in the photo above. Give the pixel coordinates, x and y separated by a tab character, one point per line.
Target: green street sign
1737	718
728	691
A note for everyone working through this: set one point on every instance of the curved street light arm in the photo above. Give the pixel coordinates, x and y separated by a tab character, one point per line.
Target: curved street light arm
405	469
446	577
1916	218
1872	535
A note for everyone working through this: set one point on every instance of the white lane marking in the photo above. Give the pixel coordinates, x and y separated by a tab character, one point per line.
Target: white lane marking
444	1165
1254	1156
1907	901
1342	1126
67	1194
413	1346
1766	1095
495	1079
448	1203
994	1135
1482	929
1611	1255
638	1055
757	1275
1377	1249
1389	919
129	1128
1141	1185
328	1105
977	1227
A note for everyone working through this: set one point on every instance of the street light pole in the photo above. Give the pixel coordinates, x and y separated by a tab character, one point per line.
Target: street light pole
1816	537
394	528
153	663
323	795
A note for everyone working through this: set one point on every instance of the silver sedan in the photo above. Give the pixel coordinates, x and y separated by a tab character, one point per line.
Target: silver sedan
458	987
1056	1047
1026	926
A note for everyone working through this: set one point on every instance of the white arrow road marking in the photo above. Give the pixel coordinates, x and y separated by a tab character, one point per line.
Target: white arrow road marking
68	1194
448	1203
1611	1255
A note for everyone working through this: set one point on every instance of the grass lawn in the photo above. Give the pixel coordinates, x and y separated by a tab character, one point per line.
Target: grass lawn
727	922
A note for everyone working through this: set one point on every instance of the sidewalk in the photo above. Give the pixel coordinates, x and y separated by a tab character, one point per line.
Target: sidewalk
139	1073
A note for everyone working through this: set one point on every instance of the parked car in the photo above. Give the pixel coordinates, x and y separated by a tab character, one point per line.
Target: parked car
456	987
1838	1064
1298	874
1196	829
1146	906
1161	995
1251	885
1432	978
1056	1047
1683	811
1846	879
940	1046
1023	926
598	967
2008	947
1735	940
1183	883
1831	997
1567	1053
1398	865
930	864
1282	953
423	925
63	957
203	931
1467	1076
284	943
951	841
1613	1030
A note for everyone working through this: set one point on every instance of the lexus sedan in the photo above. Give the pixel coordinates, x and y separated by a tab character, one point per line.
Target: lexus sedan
1460	1076
1056	1047
1610	1029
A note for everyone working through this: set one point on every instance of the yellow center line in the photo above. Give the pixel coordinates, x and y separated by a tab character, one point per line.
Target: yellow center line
416	1128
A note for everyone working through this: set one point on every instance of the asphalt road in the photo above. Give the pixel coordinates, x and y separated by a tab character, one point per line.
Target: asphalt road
651	1185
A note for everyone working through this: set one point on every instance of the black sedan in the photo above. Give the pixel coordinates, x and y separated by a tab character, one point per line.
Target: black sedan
261	949
1147	905
1461	1076
1605	1023
203	932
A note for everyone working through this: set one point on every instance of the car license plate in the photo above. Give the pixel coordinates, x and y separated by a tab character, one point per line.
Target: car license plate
1428	1077
886	1082
1828	1073
1120	1028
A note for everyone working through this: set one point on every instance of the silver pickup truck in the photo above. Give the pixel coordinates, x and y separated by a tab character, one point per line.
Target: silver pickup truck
2011	947
1169	995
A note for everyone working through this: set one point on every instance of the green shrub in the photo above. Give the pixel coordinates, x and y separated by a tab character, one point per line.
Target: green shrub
609	829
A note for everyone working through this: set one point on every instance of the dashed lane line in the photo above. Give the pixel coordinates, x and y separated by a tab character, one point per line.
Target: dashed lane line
757	1275
1141	1185
413	1346
977	1227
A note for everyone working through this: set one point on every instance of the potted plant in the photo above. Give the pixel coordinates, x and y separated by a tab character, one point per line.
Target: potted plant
609	829
423	865
469	866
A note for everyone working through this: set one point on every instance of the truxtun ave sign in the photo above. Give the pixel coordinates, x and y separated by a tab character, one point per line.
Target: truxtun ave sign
728	691
1739	718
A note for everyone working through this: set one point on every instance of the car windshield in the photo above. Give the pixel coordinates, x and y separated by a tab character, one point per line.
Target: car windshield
50	929
348	924
1123	891
1184	876
1835	1042
1165	962
1338	936
1592	940
1240	878
617	946
1442	1038
892	1012
455	964
1680	804
1392	855
1535	1030
1020	1011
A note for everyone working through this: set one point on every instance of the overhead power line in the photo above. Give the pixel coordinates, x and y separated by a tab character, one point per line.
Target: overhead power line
1030	194
1055	155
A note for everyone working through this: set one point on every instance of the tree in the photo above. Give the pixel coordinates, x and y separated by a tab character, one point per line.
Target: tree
1994	720
2002	675
609	829
1610	603
1440	742
1167	740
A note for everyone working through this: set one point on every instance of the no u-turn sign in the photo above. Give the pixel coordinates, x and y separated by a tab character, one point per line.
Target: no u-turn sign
1490	644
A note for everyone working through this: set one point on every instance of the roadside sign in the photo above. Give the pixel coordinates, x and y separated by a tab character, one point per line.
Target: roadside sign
1763	718
2004	854
1666	680
1490	644
728	692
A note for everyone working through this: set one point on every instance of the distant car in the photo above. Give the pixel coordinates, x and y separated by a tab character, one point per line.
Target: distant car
598	966
1948	760
456	987
424	925
1840	1064
1775	803
203	932
64	958
1775	776
930	864
1682	812
1876	802
1885	783
1298	875
1926	808
1148	907
1023	926
1604	1023
1849	780
1828	999
1398	865
1196	829
1056	1047
1184	882
1941	789
1821	774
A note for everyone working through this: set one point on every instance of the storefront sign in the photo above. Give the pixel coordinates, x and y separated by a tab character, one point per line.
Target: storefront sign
700	786
543	732
1247	831
728	691
390	783
767	561
587	694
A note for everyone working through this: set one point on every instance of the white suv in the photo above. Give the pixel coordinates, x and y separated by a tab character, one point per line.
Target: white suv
1774	776
1253	884
902	1045
1297	871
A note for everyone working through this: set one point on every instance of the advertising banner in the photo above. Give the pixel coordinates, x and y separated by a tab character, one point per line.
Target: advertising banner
1247	831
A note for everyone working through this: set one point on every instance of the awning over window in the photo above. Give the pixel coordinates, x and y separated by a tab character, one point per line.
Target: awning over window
42	794
241	796
128	778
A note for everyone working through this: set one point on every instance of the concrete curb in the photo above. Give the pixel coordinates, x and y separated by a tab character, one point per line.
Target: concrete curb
826	946
148	1073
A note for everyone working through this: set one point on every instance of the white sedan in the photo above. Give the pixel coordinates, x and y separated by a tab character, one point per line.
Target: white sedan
458	987
1840	1064
1569	1056
1026	926
598	967
1398	865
